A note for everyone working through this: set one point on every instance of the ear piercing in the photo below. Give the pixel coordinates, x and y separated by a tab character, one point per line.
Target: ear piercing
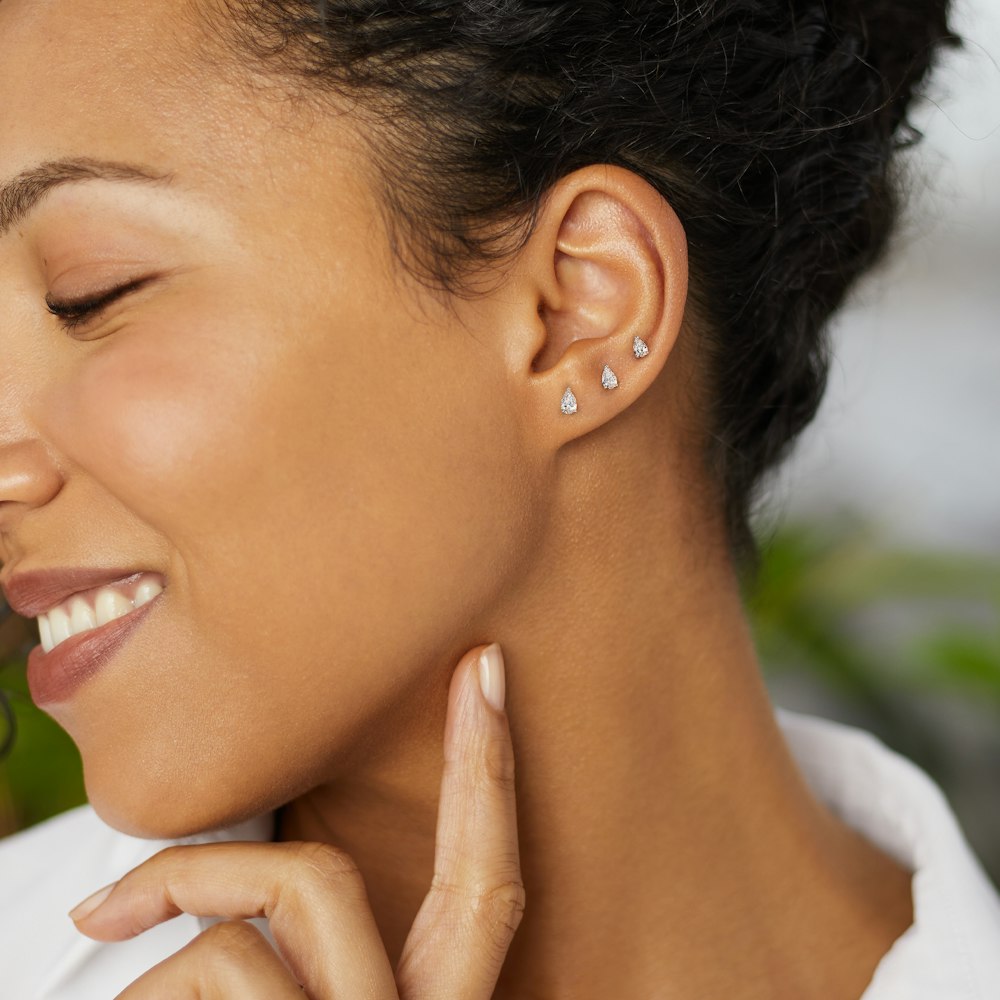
608	378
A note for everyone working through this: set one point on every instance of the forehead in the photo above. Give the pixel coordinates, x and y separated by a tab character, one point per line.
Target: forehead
130	80
157	83
92	56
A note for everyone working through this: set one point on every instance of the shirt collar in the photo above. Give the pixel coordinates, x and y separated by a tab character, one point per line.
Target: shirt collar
952	949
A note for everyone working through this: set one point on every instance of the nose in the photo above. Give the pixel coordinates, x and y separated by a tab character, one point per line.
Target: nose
29	478
30	475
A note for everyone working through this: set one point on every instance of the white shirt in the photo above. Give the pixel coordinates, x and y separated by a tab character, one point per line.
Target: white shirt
950	952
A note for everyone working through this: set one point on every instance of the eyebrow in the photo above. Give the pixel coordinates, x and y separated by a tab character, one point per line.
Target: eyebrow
23	192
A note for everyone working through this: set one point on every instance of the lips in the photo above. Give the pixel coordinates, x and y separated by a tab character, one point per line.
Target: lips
55	676
33	592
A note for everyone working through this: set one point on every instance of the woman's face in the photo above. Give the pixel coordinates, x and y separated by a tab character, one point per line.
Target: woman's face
316	458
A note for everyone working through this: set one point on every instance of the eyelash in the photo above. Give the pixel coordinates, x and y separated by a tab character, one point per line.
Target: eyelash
74	314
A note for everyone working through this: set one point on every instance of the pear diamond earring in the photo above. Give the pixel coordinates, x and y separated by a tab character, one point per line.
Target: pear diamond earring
568	401
608	378
639	347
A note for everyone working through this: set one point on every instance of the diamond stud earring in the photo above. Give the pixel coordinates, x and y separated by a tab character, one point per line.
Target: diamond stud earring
568	401
608	378
639	347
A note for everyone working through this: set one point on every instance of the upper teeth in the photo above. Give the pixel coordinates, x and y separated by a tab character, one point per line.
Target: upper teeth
84	612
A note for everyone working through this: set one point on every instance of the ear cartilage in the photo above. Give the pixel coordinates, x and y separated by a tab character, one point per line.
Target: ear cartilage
639	347
568	401
609	379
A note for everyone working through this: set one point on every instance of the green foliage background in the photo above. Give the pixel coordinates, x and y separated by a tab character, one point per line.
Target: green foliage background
904	644
42	775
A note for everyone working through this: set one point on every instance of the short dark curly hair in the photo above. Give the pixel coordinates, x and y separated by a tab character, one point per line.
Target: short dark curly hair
769	125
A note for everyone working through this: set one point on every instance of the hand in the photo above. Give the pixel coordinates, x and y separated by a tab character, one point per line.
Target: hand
316	902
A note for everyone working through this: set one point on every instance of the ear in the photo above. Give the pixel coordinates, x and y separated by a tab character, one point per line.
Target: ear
606	263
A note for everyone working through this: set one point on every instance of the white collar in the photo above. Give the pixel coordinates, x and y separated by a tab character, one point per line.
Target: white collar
952	949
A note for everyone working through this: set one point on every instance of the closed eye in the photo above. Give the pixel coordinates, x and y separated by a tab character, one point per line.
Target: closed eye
75	313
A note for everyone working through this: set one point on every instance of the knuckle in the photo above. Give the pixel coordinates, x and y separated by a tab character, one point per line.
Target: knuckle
329	867
228	944
500	907
497	764
326	860
171	857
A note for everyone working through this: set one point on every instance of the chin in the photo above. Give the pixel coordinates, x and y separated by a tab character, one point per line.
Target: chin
151	812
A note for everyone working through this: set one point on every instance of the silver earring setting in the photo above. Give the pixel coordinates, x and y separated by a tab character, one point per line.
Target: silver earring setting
608	378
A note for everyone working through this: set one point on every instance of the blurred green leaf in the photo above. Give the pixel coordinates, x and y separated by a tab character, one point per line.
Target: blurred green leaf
42	776
952	659
904	640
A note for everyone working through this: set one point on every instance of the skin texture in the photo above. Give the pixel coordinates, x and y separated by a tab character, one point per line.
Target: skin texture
348	482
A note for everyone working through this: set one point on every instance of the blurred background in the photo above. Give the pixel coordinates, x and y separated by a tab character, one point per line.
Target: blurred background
879	604
879	599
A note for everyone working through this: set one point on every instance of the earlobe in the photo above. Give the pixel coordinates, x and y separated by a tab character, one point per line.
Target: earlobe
608	267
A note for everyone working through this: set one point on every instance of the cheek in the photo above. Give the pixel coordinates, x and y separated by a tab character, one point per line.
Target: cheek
149	418
338	530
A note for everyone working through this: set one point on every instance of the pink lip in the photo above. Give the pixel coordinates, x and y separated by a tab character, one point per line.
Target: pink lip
56	675
33	592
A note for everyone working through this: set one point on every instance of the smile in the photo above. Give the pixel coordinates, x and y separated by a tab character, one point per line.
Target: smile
93	608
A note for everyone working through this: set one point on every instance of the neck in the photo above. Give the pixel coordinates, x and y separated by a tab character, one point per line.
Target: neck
669	845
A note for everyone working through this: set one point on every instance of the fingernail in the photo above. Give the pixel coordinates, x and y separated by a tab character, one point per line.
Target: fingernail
491	675
91	903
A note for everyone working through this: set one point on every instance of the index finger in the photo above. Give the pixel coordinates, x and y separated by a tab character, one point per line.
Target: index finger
461	934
